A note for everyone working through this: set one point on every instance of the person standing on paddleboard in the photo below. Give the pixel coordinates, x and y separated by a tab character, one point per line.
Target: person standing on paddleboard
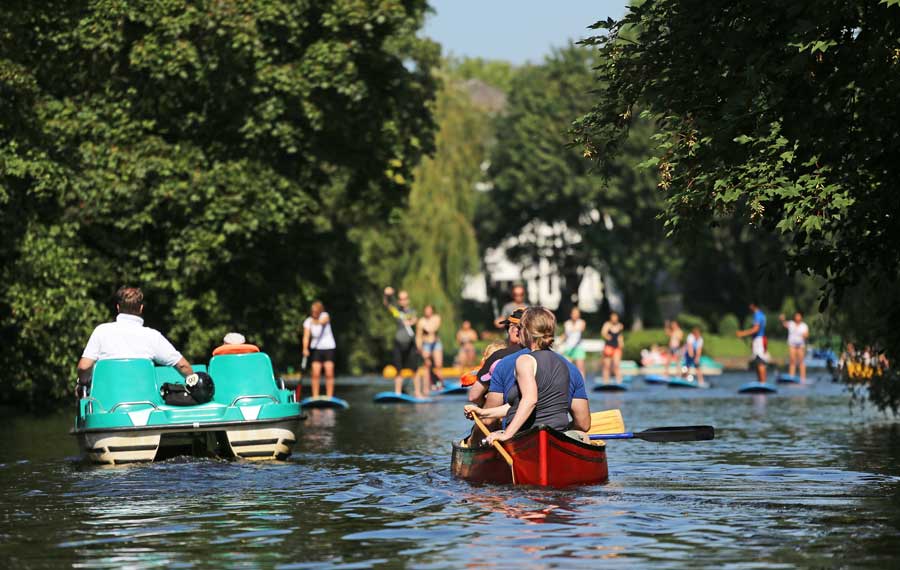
429	345
571	347
518	300
319	347
760	344
675	334
693	351
798	332
612	352
406	354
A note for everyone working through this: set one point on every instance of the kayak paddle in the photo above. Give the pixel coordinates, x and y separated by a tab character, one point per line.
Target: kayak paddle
664	434
607	421
497	446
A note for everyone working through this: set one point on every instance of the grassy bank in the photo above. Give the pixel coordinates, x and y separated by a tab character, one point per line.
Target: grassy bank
733	352
714	346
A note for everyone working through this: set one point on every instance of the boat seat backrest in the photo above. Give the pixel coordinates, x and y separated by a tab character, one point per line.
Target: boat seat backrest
242	375
124	380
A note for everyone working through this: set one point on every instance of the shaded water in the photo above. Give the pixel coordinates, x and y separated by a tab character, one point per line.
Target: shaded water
794	479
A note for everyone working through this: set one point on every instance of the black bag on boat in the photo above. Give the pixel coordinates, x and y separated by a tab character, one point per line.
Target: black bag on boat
176	395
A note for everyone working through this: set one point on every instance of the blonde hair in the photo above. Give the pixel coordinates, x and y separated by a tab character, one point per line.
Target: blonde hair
538	325
492	348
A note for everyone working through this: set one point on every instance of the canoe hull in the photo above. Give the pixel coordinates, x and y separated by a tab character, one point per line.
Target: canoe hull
541	456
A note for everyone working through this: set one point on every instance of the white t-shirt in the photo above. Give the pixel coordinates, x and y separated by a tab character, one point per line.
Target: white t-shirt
320	336
695	342
573	333
796	333
127	337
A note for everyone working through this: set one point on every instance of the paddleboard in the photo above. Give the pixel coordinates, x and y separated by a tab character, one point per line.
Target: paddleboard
655	379
324	402
453	388
757	388
679	382
395	398
611	387
789	379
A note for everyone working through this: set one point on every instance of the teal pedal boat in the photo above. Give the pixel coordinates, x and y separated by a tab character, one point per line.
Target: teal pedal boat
124	419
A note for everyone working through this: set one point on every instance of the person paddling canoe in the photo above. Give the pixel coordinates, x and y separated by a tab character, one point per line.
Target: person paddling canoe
535	385
479	389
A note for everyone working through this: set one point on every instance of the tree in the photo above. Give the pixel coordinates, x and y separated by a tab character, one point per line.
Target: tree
442	245
550	201
235	159
777	114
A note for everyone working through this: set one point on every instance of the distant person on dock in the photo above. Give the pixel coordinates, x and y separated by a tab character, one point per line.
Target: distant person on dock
127	337
675	334
479	389
760	344
465	341
612	352
320	347
518	301
541	387
693	351
405	352
571	340
429	344
798	333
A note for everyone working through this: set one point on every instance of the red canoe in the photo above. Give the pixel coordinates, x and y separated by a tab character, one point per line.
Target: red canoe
541	456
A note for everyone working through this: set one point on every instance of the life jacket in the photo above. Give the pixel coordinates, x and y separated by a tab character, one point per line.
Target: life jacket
235	349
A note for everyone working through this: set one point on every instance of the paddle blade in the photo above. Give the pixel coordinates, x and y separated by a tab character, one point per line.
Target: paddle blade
679	433
607	421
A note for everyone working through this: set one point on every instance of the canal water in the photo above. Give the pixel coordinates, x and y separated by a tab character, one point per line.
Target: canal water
797	479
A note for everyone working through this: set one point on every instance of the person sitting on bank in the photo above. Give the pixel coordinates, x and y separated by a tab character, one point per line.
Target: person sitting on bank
542	388
127	337
234	343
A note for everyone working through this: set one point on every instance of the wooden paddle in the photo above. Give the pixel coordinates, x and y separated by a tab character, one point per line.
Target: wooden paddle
497	446
664	434
607	421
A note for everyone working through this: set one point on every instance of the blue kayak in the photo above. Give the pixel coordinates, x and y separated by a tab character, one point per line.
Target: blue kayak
679	382
610	387
453	388
324	402
789	379
395	398
757	388
655	379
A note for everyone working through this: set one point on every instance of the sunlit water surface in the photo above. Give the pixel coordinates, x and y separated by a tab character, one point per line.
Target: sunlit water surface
797	479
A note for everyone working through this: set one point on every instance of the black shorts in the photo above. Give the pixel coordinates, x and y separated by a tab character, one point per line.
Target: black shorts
321	355
406	356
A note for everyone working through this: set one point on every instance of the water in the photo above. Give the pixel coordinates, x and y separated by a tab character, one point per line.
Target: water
794	480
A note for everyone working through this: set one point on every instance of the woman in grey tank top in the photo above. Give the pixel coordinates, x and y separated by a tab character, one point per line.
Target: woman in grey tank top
541	393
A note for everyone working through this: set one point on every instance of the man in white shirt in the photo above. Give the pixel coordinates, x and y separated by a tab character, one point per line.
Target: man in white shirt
127	337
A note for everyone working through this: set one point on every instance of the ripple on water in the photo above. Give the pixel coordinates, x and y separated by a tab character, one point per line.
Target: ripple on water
792	480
